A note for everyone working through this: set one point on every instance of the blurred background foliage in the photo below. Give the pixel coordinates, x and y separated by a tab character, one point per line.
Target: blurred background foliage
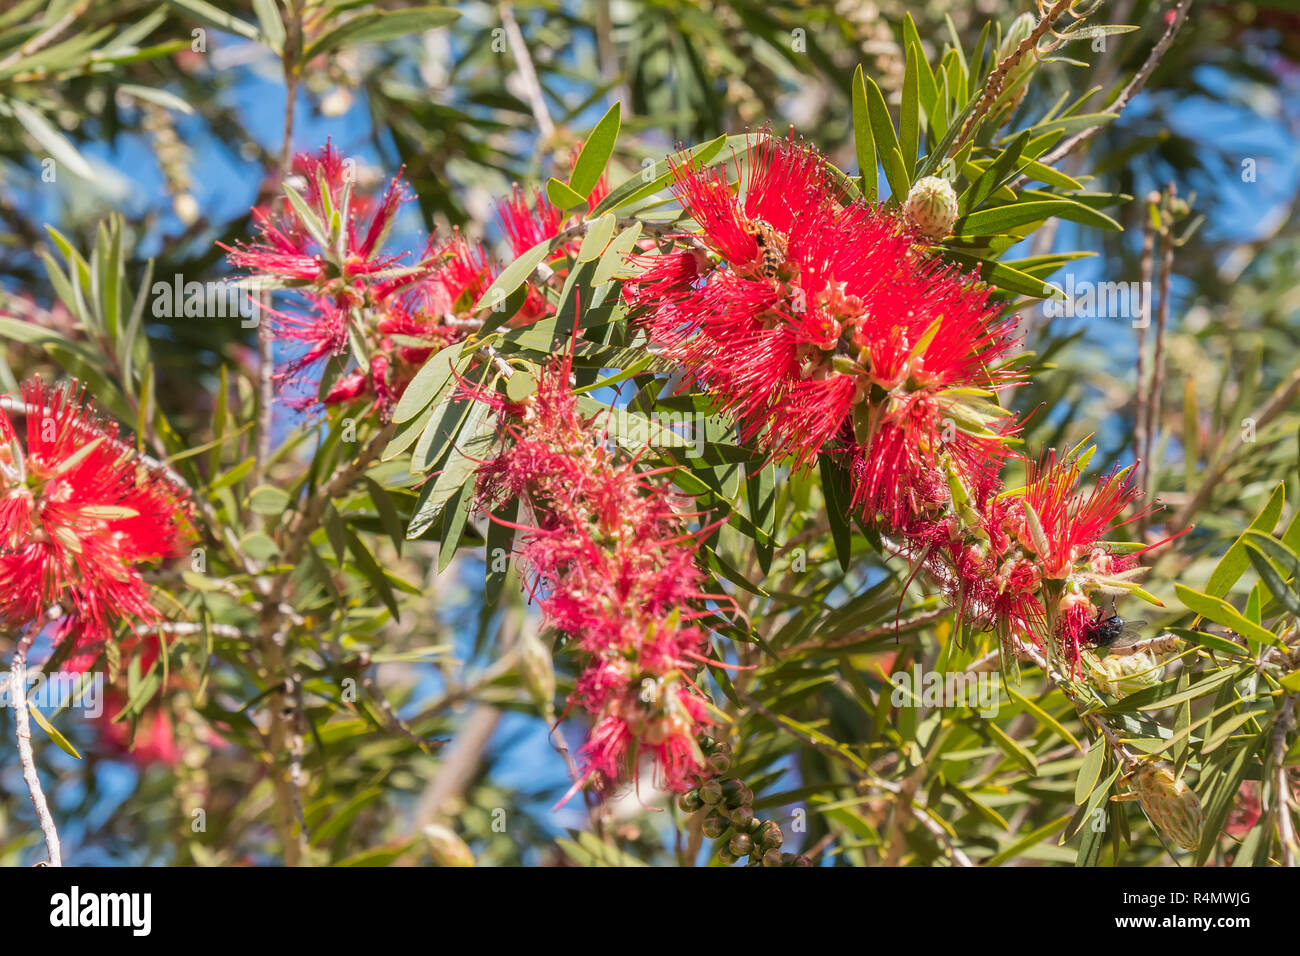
178	132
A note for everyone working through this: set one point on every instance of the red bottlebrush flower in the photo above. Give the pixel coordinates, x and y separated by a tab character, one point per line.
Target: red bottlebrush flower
153	740
79	512
613	565
527	221
288	250
799	309
1066	523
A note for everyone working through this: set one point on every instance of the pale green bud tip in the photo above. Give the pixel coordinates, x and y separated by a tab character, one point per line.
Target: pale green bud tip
932	207
538	669
446	848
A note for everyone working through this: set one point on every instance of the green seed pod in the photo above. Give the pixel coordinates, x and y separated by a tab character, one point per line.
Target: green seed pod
772	858
726	856
711	792
720	763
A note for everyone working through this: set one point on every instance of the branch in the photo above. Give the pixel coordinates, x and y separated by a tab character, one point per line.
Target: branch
532	88
1126	95
18	699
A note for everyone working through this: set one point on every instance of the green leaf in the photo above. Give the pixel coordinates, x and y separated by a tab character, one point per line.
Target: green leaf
614	259
1262	547
513	276
268	500
1090	772
1221	612
53	734
654	178
1235	561
909	116
596	150
379	26
268	18
597	238
1003	276
562	196
427	384
469	448
886	141
50	139
1002	219
864	142
216	17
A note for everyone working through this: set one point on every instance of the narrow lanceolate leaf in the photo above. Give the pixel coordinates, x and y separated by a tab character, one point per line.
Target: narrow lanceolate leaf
379	27
597	149
58	146
862	138
513	276
1221	612
1002	219
1234	562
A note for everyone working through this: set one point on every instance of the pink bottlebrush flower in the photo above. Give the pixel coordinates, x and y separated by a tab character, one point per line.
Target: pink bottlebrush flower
80	511
612	564
287	250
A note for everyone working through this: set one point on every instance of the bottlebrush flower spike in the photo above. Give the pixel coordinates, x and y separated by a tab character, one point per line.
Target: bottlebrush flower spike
800	310
300	244
612	563
79	512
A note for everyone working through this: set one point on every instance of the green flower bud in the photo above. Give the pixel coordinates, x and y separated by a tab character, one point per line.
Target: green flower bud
932	207
446	848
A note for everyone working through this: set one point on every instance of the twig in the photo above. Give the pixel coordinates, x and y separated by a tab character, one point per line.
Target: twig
18	699
1142	399
532	88
1162	319
45	37
993	85
897	627
1281	399
1126	95
1279	808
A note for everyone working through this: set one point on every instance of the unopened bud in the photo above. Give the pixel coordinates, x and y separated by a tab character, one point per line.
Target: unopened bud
1016	78
1120	675
537	669
1173	807
932	207
446	848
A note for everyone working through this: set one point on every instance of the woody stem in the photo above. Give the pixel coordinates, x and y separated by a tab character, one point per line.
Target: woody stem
18	700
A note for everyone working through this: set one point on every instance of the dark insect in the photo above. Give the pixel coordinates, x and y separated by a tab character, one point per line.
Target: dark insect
771	246
1113	630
